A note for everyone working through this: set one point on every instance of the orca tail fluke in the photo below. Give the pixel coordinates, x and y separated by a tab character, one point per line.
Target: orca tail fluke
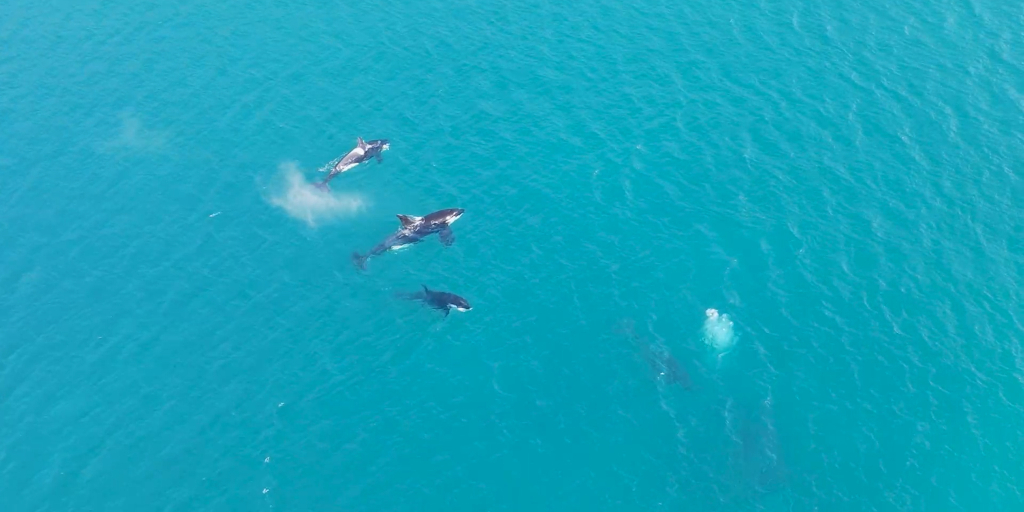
360	261
323	186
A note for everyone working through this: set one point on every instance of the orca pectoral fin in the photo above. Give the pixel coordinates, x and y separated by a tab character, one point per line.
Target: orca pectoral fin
447	237
446	311
379	159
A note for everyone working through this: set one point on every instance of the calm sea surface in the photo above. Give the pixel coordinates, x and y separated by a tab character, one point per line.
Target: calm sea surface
182	327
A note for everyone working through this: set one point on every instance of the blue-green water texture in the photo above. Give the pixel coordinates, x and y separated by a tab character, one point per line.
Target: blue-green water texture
721	256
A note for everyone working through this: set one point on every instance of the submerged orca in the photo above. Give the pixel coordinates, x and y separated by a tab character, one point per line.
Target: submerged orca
363	152
413	230
439	300
759	455
658	357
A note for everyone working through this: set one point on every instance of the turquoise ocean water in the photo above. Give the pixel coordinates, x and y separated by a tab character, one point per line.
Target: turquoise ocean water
181	327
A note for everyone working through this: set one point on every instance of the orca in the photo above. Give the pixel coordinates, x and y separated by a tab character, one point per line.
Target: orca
661	361
443	301
413	230
759	452
363	152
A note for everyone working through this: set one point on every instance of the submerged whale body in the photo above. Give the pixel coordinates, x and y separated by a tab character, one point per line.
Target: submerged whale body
659	358
759	452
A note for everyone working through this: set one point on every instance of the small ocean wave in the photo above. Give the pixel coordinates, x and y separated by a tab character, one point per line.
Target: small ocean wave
301	200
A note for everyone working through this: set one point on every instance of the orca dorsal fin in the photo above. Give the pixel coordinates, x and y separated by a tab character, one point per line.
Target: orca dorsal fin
360	143
407	220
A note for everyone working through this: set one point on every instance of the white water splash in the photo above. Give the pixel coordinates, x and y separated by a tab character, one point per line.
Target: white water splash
718	332
302	200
